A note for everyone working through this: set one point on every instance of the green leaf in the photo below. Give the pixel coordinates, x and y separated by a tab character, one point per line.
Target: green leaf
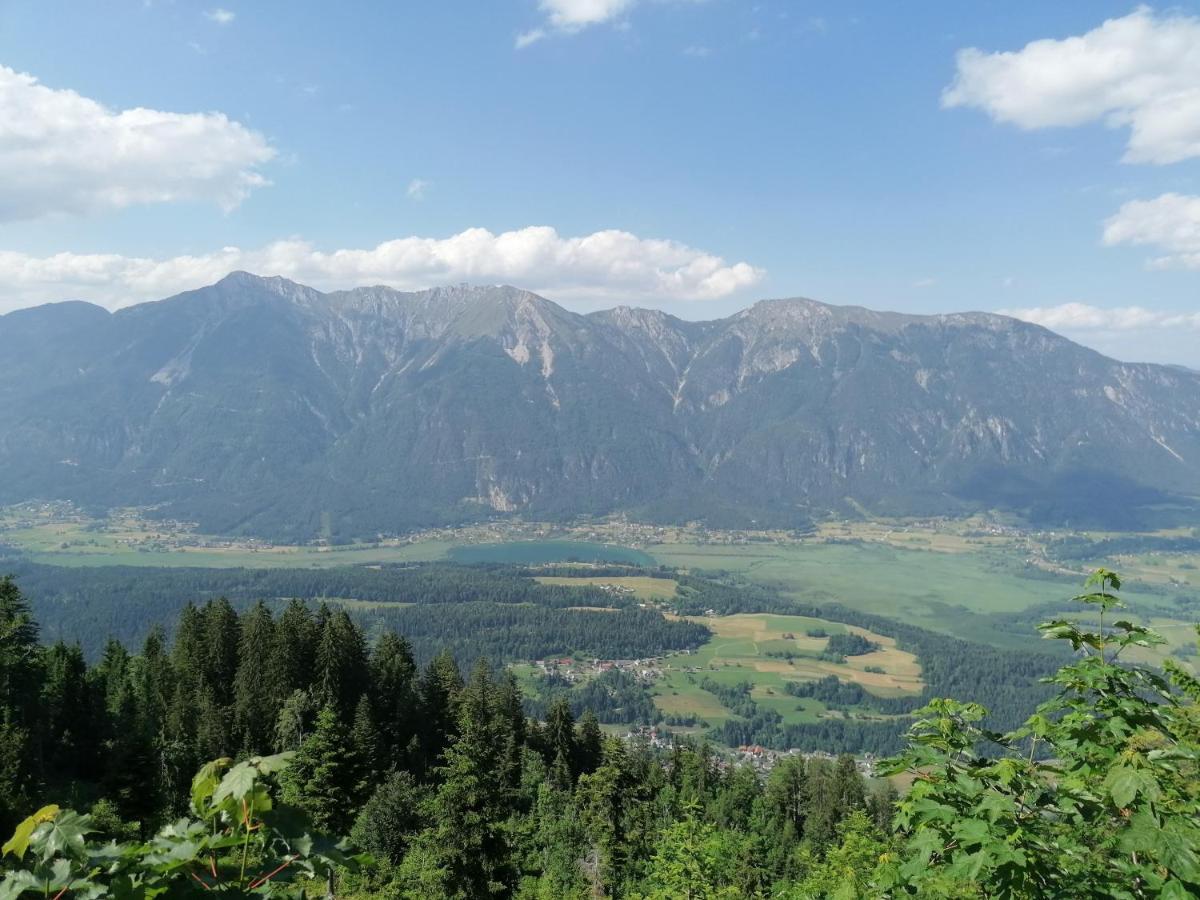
237	783
269	765
971	832
206	781
1141	836
1177	850
1174	889
63	836
19	842
1124	783
17	883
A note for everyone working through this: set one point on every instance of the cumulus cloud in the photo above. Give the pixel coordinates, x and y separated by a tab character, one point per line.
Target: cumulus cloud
1123	332
1074	317
575	15
606	266
220	16
64	153
1170	222
1140	72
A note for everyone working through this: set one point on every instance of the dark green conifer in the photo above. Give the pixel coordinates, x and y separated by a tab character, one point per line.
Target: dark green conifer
321	777
256	690
394	689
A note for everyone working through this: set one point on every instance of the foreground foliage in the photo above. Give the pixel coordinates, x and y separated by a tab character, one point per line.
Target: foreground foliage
1097	795
236	841
457	793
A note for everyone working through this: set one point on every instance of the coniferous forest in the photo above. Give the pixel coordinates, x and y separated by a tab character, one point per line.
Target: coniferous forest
260	753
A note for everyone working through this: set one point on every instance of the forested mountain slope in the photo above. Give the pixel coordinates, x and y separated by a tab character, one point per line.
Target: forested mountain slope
258	405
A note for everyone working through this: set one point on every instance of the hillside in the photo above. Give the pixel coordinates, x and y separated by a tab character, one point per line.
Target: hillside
261	406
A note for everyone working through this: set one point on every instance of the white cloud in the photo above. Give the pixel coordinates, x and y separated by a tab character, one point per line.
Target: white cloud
926	282
64	153
575	15
1123	332
697	50
1170	222
1082	317
220	16
606	266
1141	71
417	188
529	37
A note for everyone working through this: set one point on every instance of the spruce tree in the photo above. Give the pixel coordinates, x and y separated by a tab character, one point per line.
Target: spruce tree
588	743
295	650
18	654
511	730
559	741
438	692
394	689
342	675
391	817
67	730
366	744
848	786
154	684
187	661
222	633
472	806
256	688
321	776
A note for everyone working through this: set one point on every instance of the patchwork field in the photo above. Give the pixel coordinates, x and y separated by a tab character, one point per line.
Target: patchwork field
958	577
957	593
739	651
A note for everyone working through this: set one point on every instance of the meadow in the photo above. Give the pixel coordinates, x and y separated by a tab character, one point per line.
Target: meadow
646	588
740	651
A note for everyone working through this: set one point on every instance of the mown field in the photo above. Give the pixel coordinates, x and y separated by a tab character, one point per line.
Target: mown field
642	587
739	651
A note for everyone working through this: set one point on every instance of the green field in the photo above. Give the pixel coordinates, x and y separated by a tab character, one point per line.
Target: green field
738	651
540	552
952	592
954	577
642	587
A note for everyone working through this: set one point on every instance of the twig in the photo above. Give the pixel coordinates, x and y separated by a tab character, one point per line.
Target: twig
258	882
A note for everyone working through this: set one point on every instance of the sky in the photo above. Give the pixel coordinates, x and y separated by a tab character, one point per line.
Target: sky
1038	159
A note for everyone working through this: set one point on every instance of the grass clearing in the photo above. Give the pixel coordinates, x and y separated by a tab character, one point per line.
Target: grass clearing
644	588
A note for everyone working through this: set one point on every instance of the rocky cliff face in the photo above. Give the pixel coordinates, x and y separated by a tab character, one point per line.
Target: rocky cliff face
260	405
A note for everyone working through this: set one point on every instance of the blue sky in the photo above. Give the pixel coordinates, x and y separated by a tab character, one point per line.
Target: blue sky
777	148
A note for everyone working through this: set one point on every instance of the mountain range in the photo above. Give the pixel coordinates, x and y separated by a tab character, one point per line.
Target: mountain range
261	406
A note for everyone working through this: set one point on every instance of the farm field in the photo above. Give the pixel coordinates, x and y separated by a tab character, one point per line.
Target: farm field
956	593
738	652
644	588
538	552
958	577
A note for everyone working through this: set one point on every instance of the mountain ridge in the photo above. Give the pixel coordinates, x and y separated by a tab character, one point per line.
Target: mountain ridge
260	405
